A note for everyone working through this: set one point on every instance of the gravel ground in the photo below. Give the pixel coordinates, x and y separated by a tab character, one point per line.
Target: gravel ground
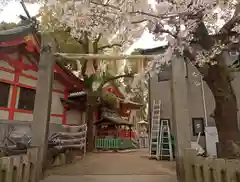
106	167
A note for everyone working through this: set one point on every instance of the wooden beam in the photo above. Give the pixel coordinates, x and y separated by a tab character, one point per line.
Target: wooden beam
72	56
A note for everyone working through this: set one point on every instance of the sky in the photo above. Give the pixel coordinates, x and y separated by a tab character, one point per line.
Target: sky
11	12
146	40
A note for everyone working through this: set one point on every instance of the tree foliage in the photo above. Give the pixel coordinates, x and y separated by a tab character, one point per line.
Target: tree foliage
204	32
7	26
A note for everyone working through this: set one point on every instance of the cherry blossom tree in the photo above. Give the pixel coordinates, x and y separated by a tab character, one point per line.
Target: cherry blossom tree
96	28
204	32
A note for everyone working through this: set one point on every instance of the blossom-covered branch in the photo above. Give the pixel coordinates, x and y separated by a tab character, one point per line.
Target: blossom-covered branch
115	78
109	46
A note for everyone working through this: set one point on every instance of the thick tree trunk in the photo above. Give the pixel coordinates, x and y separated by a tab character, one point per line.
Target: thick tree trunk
91	101
90	137
225	114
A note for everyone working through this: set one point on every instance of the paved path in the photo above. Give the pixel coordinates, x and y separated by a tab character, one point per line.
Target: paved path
108	167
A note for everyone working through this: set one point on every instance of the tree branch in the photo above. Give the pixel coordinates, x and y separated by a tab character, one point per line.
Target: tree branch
191	14
105	5
139	21
109	46
232	22
79	40
159	29
98	38
115	78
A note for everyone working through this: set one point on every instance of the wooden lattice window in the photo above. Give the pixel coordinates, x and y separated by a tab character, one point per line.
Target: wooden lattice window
4	91
26	99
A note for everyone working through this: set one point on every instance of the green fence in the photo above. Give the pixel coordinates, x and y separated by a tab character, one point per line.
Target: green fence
107	143
113	143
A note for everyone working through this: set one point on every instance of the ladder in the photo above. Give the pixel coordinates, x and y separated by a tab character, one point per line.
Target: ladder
165	141
155	130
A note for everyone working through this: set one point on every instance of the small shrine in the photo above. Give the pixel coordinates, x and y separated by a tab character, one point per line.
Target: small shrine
113	129
110	125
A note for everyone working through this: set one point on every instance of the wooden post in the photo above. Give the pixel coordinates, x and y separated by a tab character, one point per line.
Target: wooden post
181	124
42	107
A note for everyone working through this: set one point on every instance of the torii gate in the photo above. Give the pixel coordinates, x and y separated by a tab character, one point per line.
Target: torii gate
44	94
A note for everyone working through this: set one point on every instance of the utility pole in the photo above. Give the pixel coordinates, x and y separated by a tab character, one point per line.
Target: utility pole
42	107
181	123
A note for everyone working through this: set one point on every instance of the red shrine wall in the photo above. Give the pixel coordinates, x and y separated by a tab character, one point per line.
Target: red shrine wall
20	80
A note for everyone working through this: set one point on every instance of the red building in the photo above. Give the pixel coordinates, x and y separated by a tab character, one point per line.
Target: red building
127	110
19	56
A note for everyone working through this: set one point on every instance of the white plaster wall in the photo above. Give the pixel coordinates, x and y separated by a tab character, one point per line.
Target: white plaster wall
5	65
58	86
6	75
27	81
3	114
25	60
57	120
30	72
74	117
29	117
13	55
57	106
23	116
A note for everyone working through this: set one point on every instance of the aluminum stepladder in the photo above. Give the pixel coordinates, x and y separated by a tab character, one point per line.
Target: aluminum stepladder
155	130
165	146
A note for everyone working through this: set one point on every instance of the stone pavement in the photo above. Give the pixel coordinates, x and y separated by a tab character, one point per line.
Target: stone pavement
108	167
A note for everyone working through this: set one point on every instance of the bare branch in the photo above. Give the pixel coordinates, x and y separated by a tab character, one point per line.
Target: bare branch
139	21
109	46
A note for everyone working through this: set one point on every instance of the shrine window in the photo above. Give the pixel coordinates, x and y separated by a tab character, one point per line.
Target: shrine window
26	99
4	91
